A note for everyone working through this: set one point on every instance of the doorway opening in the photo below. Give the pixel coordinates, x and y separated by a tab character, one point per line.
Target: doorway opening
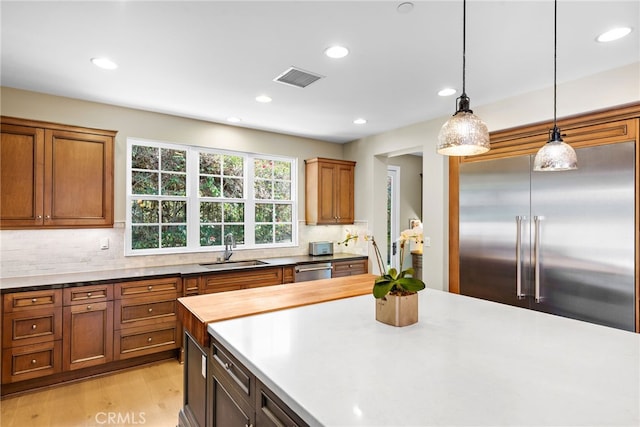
393	213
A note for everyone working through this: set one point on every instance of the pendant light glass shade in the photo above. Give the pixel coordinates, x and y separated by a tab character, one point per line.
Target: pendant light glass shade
555	155
464	134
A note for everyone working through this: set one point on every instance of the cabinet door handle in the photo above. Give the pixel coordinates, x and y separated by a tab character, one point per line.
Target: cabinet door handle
88	307
34	361
39	217
150	310
34	326
149	339
48	217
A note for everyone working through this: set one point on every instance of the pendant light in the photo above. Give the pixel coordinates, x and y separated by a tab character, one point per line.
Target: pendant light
555	155
464	134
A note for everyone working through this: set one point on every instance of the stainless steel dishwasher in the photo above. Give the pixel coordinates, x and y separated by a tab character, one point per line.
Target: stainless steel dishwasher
314	271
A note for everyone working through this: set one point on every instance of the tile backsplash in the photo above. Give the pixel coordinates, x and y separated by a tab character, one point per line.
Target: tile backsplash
42	252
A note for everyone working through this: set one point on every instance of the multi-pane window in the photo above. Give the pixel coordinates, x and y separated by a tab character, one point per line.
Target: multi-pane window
182	198
221	196
158	200
272	195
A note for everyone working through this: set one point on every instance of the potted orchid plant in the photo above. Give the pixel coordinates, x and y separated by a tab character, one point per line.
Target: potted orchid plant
395	290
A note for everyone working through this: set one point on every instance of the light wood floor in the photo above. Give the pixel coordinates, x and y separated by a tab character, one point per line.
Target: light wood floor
147	396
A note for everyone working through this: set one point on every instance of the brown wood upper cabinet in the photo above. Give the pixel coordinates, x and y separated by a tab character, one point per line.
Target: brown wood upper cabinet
55	176
329	191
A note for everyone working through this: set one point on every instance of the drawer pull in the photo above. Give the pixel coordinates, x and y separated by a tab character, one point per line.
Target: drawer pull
149	339
88	294
150	287
227	366
34	300
34	361
34	326
150	310
88	307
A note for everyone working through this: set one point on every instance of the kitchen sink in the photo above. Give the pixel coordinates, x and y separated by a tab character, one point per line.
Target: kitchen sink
233	264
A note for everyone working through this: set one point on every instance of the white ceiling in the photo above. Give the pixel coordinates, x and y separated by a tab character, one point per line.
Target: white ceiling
209	59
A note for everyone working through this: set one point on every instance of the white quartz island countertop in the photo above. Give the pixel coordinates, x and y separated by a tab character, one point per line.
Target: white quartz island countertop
467	362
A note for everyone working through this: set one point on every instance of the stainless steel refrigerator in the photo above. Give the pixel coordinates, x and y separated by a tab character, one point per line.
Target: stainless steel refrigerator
557	242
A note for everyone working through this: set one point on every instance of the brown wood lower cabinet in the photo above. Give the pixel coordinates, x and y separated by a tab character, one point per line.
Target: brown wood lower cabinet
350	267
146	317
88	326
31	361
134	342
31	335
235	280
56	335
88	335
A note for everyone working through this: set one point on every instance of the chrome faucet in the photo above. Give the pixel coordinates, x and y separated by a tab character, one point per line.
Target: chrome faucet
229	243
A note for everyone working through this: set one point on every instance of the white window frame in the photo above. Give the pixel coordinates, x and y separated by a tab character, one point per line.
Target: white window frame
193	199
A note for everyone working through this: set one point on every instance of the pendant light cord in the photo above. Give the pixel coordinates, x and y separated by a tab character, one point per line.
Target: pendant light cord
555	59
464	45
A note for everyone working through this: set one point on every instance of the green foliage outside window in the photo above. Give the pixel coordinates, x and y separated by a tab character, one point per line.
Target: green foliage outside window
144	182
160	200
272	183
145	237
174	236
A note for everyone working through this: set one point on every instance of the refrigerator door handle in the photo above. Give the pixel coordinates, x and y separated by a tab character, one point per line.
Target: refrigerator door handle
519	220
536	253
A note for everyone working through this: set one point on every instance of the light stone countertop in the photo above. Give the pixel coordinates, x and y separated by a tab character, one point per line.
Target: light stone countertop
467	362
91	277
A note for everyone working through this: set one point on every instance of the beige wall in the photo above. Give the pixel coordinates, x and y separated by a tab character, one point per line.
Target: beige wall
608	89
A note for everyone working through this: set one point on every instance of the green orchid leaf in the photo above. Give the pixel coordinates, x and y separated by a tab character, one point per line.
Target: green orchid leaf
393	273
382	281
411	284
380	289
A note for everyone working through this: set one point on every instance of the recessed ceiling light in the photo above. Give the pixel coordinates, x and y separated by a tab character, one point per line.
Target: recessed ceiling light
104	63
447	91
613	34
263	98
234	119
360	121
405	7
336	52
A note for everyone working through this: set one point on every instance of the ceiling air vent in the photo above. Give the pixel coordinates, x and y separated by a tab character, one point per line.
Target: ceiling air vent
297	77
